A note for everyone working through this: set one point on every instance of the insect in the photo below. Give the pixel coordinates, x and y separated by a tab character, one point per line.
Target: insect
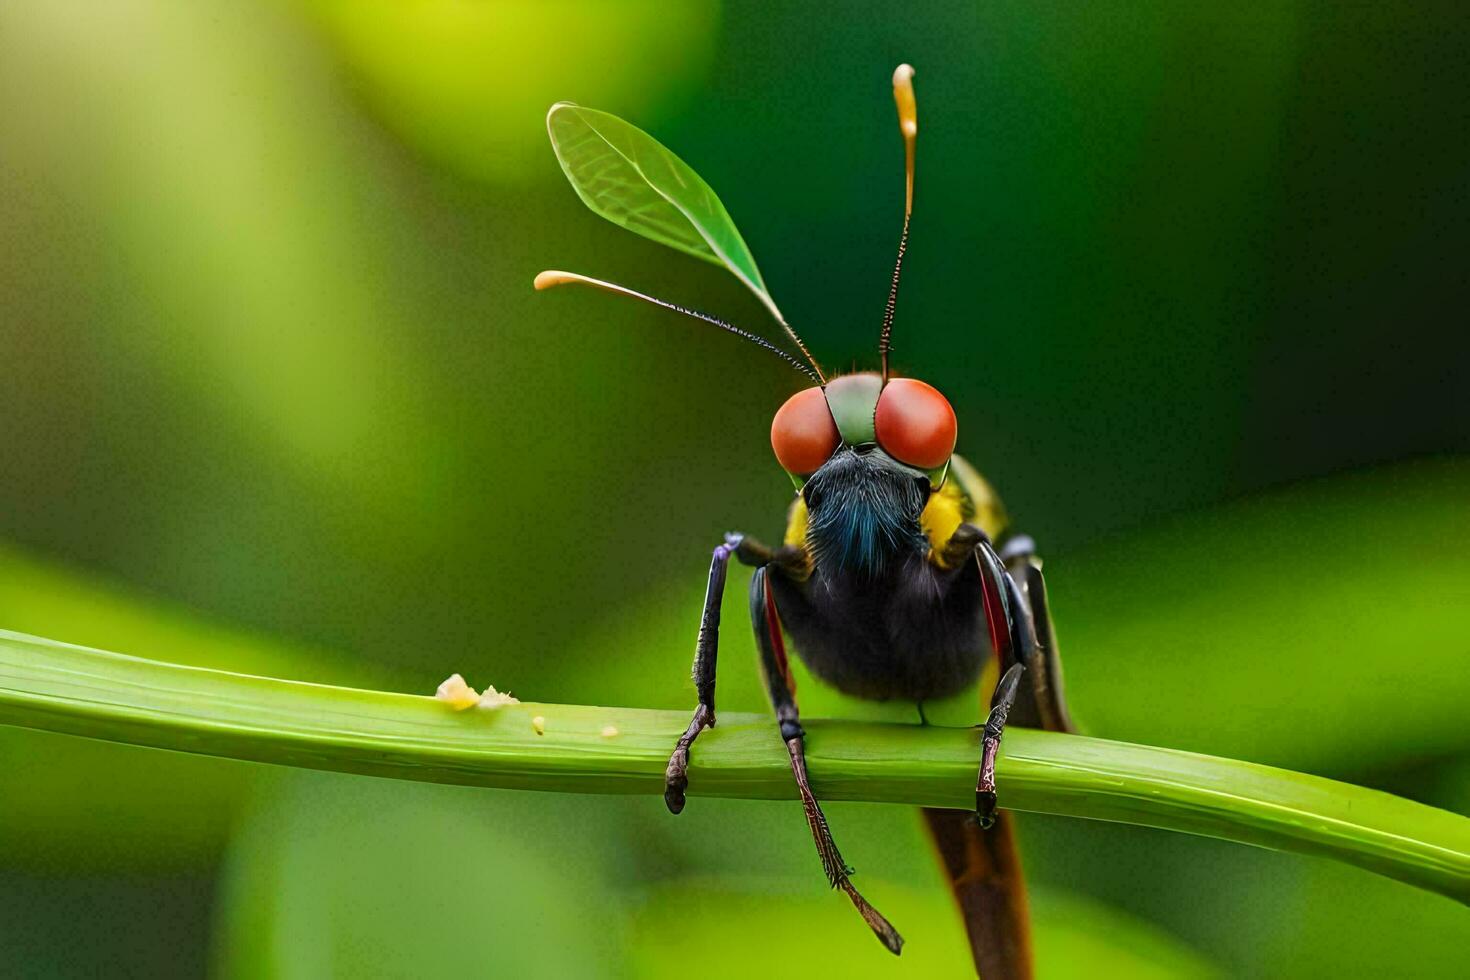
898	578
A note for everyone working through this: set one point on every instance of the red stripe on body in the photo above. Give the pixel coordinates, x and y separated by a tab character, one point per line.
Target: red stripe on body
778	642
995	618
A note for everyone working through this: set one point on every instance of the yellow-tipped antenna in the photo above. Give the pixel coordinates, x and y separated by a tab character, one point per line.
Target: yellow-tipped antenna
554	277
908	126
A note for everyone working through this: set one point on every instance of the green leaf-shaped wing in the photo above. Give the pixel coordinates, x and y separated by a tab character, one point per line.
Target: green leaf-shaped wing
633	180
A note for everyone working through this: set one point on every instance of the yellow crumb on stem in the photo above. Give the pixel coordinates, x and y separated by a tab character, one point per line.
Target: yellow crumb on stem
538	724
496	699
456	693
610	731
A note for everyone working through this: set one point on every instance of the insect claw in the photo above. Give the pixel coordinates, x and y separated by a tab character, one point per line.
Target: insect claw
676	780
985	809
674	796
676	775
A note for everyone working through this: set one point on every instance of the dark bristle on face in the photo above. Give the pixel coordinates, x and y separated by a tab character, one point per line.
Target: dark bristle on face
864	512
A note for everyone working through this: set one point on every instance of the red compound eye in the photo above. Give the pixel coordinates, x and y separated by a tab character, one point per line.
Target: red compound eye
803	433
915	424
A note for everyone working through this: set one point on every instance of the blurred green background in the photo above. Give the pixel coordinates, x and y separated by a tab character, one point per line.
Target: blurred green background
276	396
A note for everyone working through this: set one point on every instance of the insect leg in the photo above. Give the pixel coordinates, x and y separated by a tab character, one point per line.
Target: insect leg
706	650
1019	555
777	672
1013	635
1000	707
979	853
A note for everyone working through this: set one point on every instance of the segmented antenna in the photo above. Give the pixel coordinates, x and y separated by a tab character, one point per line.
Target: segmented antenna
908	125
791	332
551	277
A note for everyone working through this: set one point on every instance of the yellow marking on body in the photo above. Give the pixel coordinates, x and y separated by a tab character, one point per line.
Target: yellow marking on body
964	497
947	509
796	524
795	537
987	512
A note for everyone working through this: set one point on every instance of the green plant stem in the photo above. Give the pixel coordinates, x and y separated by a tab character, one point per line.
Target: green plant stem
62	688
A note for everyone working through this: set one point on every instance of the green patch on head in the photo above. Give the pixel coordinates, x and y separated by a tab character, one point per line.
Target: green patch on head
853	398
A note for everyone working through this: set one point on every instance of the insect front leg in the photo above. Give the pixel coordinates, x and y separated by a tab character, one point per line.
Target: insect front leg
1012	637
706	651
776	668
995	724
